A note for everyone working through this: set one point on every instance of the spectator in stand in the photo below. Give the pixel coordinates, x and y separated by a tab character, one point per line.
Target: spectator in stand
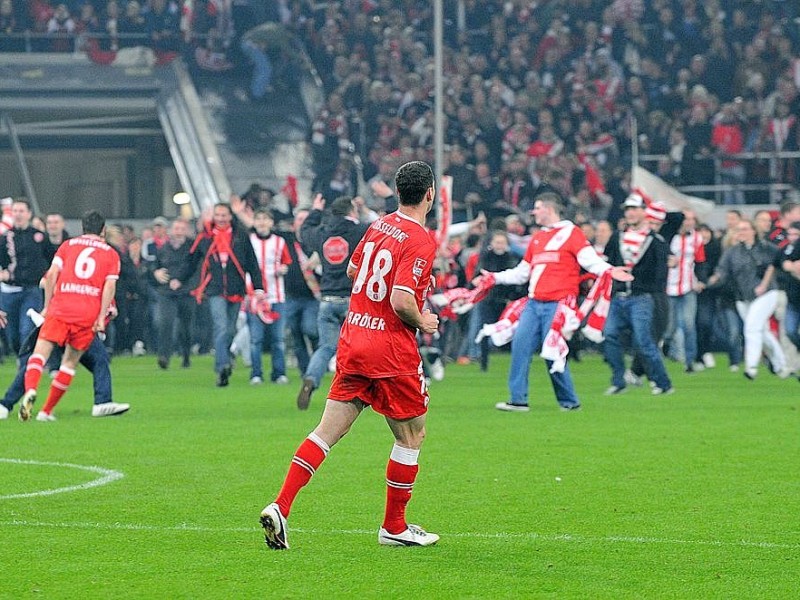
162	25
750	267
60	28
9	26
131	28
727	139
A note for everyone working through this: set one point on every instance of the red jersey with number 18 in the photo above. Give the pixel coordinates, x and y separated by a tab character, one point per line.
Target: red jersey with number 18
396	252
85	263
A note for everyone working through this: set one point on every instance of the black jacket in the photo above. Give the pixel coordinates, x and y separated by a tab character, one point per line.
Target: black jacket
650	273
24	252
294	282
177	263
335	239
225	280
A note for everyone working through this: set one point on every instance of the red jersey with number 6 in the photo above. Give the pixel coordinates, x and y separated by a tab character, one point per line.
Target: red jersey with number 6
85	263
396	253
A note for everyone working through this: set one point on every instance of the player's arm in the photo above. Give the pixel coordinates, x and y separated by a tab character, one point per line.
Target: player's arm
48	282
109	289
404	305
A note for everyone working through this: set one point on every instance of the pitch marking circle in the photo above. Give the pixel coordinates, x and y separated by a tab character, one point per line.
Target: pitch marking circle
106	476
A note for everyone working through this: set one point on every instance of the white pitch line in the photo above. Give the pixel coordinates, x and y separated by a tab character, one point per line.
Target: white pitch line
107	476
567	538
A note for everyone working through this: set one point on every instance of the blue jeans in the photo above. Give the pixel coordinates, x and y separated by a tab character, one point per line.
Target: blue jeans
223	321
262	69
329	323
534	323
95	359
277	345
633	313
734	337
791	323
16	305
300	315
683	314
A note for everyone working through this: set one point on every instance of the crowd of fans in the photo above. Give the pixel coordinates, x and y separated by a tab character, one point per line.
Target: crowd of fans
539	97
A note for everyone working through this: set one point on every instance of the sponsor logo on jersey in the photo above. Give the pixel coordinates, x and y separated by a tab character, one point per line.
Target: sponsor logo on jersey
419	264
336	250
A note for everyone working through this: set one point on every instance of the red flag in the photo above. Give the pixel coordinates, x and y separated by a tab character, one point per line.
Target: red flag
289	189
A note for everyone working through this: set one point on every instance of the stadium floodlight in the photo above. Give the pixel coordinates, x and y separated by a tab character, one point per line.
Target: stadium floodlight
181	198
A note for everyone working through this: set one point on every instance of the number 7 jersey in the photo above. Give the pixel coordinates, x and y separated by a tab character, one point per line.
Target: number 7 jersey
84	263
396	253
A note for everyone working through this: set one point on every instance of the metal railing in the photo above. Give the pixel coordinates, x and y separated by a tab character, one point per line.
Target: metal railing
775	188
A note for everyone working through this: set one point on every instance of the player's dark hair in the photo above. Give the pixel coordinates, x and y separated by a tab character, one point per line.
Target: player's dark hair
23	201
93	222
225	205
413	180
342	206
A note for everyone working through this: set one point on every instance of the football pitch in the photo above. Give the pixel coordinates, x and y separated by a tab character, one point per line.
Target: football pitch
693	495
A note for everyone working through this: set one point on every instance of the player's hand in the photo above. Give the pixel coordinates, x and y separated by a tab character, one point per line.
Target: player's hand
761	289
430	322
318	203
3	319
99	324
5	275
175	284
161	275
283	269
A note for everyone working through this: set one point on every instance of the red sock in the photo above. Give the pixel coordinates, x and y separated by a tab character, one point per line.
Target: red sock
401	472
33	371
306	461
58	388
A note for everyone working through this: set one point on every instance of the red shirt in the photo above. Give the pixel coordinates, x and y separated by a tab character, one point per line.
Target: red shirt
85	263
396	252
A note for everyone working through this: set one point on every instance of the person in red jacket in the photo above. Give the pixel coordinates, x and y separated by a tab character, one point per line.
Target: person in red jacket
728	140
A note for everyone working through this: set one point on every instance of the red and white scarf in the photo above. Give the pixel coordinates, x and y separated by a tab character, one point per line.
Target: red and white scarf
594	310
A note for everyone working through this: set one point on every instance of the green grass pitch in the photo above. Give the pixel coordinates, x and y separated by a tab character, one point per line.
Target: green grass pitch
693	495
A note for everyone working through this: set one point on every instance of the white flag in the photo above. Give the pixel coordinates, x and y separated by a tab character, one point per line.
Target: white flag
659	190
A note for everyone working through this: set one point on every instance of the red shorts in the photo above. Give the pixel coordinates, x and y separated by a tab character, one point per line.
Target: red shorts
401	397
60	333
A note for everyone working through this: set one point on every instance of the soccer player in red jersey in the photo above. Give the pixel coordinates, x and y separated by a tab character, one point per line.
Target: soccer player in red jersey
378	363
78	290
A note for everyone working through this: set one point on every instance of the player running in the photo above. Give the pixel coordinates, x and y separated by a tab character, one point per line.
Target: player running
378	363
78	289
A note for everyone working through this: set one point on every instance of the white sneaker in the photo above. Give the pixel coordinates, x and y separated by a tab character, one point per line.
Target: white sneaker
708	360
631	379
508	407
3	413
615	390
698	367
138	348
44	417
784	372
414	535
26	406
751	373
256	380
274	524
282	380
107	409
437	370
734	368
